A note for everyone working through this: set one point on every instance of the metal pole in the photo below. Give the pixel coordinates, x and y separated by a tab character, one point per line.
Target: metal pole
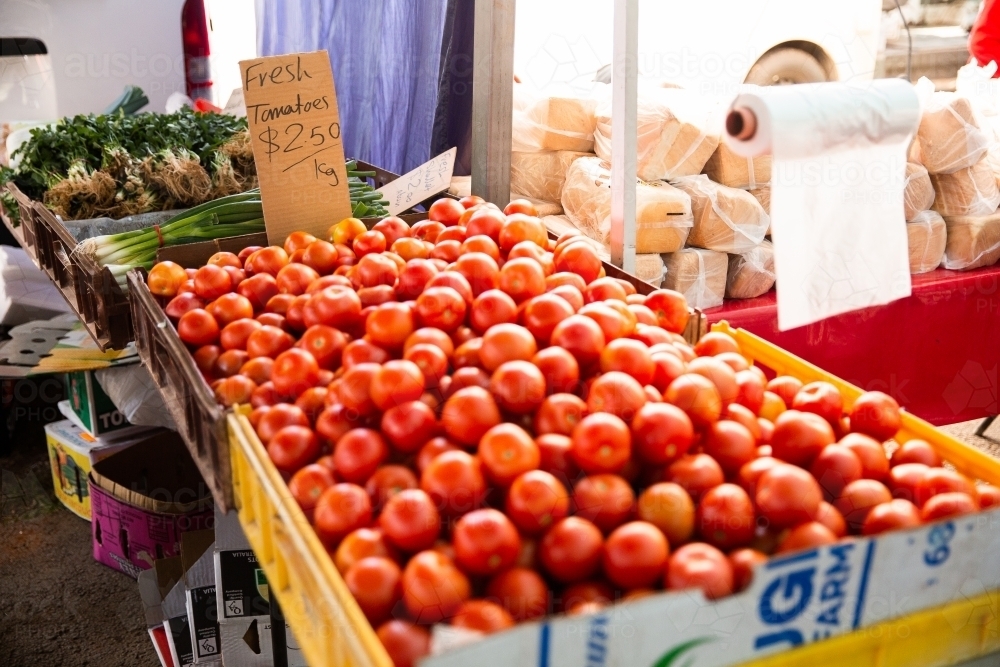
624	78
492	99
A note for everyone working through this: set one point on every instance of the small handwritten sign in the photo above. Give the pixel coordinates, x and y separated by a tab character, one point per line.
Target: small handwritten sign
295	131
413	187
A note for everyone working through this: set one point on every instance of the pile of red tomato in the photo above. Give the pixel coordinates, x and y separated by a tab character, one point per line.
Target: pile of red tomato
485	429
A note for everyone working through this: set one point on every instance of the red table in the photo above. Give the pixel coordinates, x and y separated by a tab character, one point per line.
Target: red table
937	352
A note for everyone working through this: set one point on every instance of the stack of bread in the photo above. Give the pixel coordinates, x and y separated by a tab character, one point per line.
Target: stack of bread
953	148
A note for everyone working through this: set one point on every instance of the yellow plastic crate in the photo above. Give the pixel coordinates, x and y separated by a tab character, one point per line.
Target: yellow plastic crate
332	631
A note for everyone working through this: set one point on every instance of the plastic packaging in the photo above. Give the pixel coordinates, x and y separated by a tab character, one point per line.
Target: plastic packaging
650	268
972	242
918	195
698	274
672	133
968	192
763	197
552	123
928	236
132	390
949	137
735	171
725	219
540	175
752	273
663	213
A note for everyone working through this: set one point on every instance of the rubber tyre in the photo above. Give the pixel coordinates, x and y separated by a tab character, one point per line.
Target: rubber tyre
786	66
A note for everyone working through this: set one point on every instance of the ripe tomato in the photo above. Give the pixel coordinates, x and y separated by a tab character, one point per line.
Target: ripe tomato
667	367
941	480
744	561
467	354
904	479
697	396
234	390
405	642
616	393
181	304
661	433
799	437
375	584
720	374
258	369
893	515
355	389
946	505
520	227
726	517
714	343
388	481
358	454
771	407
205	358
731	444
410	521
490	308
414	277
750	473
293	447
506	452
362	543
570	294
389	325
468	414
820	398
483	244
613	323
487	222
668	507
325	344
521	591
834	468
635	555
294	371
229	363
454	481
559	368
441	307
580	336
409	425
602	443
362	352
506	342
631	357
559	413
807	536
670	309
234	335
830	517
396	382
470	376
874	462
197	327
522	278
987	496
431	450
482	616
875	414
485	542
542	313
535	501
579	258
268	341
787	495
334	421
916	451
518	386
294	278
858	498
606	500
556	456
433	588
446	211
166	278
750	390
700	565
786	387
341	509
571	550
696	473
279	417
211	282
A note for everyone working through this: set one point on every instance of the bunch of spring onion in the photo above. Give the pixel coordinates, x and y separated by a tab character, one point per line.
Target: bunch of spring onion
234	215
365	201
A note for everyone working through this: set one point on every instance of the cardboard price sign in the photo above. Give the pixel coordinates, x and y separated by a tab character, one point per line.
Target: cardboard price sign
295	130
413	187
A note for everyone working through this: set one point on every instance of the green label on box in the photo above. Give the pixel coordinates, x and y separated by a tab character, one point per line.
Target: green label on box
92	405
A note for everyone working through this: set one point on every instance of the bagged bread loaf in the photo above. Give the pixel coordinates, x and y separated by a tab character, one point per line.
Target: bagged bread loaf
672	133
650	268
918	194
540	175
972	242
967	192
552	123
949	138
734	171
662	213
752	273
927	237
763	197
698	274
725	219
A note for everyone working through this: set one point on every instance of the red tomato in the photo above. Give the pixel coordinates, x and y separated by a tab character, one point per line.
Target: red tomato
830	517
893	515
279	417
668	506
559	368
916	451
875	414
485	542
521	591
410	521
606	500
602	443
181	304
571	550
431	450
616	393
945	505
490	308
559	413
294	371
518	386
905	478
661	433
744	561
468	414
414	278
506	342
387	481
750	473
375	584
696	474
521	227
229	363
667	367
799	437
631	357
482	616
697	396
211	282
404	642
268	341
522	278
293	447
836	467
731	444
506	452
820	398
355	388
361	543
535	501
197	327
988	496
556	456
258	369
858	498
635	555
325	344
358	454
234	390
433	588
441	307
542	313
570	294
726	517
396	382
807	536
362	352
454	481
670	309
750	390
579	258
786	387
787	495
874	462
700	565
580	336
941	480
234	335
389	325
294	278
409	425
446	211
341	509
720	374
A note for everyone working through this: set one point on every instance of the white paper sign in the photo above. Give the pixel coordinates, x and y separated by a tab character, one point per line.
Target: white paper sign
428	179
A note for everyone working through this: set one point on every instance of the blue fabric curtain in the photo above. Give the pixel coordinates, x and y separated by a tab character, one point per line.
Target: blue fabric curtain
385	56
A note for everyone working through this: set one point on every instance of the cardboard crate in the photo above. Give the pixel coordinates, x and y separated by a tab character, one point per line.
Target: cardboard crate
142	500
933	579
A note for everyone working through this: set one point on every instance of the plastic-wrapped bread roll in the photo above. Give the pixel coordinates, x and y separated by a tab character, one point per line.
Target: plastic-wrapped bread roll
553	123
972	242
650	268
968	192
540	175
725	219
672	138
662	213
763	197
698	274
752	273
949	137
927	237
918	194
734	171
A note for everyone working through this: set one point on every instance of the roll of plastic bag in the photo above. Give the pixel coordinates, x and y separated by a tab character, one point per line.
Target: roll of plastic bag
838	174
